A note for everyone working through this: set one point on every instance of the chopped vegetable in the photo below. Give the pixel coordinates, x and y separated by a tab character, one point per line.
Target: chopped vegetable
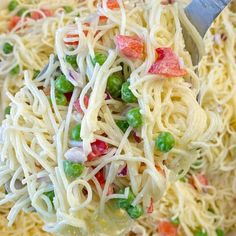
151	207
77	105
50	195
175	221
13	22
165	228
220	232
114	84
12	5
112	4
7	110
164	142
136	137
63	85
123	171
36	73
135	211
72	39
35	15
99	58
7	48
200	232
183	179
167	64
202	179
75	133
130	46
125	203
60	99
71	59
72	169
101	178
123	125
15	70
75	154
21	11
68	9
126	93
134	117
99	148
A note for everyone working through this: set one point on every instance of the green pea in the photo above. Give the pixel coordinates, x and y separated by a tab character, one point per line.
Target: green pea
72	169
50	195
60	99
114	84
220	232
21	12
7	110
63	85
134	117
7	48
164	142
125	203
183	179
15	70
99	58
200	232
135	211
12	5
68	9
122	124
36	73
175	221
75	133
71	59
126	93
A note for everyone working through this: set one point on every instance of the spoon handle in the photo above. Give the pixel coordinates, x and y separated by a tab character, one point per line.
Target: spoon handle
202	13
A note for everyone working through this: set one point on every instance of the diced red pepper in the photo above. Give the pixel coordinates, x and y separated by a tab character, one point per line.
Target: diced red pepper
150	208
167	64
100	177
73	39
77	105
102	18
165	228
201	178
160	170
112	4
13	22
99	148
130	46
35	15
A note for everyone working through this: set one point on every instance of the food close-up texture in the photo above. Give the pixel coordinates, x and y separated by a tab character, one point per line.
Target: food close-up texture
107	127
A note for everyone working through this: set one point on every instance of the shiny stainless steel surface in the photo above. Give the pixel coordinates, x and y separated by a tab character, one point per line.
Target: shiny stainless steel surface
201	13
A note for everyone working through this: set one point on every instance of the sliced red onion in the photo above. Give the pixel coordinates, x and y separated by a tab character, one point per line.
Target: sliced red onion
76	154
74	143
76	77
136	136
123	171
107	96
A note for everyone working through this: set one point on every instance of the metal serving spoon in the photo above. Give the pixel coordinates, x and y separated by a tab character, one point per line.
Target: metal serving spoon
201	13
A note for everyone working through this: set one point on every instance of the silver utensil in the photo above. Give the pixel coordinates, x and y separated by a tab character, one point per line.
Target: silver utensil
201	13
